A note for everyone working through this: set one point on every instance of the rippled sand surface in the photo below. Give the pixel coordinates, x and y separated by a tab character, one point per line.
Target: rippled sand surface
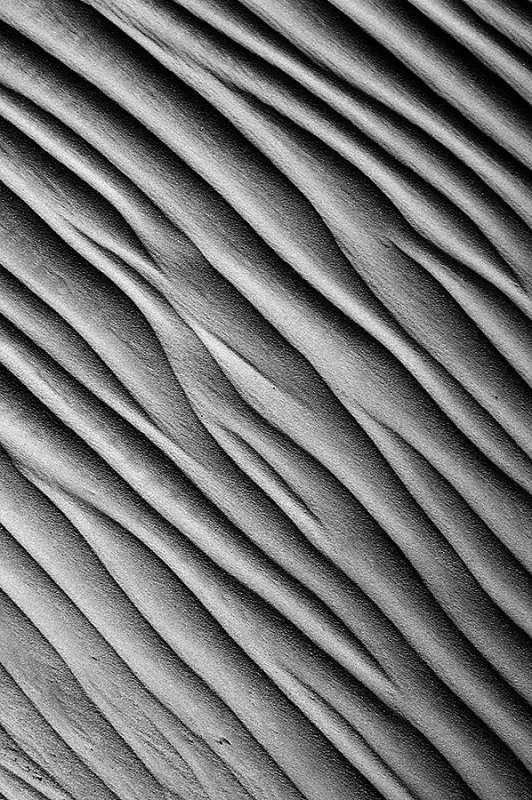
265	399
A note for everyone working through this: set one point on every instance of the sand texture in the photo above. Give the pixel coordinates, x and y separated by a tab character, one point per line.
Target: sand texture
265	399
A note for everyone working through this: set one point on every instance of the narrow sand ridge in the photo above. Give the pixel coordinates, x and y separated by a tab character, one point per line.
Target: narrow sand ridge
265	400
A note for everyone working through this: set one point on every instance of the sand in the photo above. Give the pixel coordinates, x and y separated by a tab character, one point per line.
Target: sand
265	400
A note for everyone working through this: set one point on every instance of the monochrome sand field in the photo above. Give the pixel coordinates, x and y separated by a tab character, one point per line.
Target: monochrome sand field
265	400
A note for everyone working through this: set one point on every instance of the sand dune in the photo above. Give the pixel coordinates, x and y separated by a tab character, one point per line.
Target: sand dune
265	400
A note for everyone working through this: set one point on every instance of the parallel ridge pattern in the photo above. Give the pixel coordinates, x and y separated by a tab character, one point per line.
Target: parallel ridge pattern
265	408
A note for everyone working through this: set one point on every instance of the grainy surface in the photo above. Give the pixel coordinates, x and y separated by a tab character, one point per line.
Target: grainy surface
265	399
